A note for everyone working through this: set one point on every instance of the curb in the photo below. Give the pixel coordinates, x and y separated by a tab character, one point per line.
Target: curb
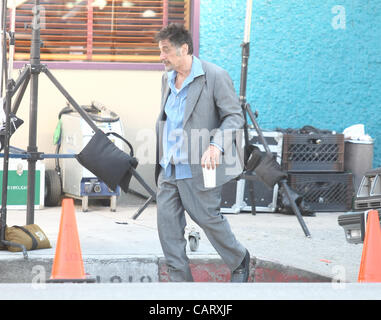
150	268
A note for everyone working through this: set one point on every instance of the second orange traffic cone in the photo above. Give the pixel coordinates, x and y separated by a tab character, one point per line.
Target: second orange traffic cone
370	267
68	263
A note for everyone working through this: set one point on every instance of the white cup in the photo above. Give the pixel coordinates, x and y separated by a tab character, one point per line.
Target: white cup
209	177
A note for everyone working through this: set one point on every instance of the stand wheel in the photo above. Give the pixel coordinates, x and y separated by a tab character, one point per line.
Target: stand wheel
113	204
193	243
85	203
194	240
53	189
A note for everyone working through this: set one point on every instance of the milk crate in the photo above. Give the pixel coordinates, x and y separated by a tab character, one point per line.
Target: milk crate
324	191
313	152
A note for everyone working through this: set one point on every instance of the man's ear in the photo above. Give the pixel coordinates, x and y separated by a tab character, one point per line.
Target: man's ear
184	49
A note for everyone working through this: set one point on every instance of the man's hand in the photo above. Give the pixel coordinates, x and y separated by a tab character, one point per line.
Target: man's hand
211	157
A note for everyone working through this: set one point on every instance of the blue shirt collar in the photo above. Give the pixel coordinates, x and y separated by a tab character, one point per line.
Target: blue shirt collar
196	71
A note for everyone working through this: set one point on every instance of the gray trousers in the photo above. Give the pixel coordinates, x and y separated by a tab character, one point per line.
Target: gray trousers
203	206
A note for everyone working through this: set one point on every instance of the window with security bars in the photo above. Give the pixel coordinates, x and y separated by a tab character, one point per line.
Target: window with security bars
97	30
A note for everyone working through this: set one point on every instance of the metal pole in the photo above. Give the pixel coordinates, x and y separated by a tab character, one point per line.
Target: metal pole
1	51
246	109
12	39
295	208
3	43
244	66
6	138
32	146
7	109
5	162
4	194
242	96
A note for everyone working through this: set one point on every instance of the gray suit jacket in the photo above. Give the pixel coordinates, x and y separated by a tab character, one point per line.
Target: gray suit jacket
212	114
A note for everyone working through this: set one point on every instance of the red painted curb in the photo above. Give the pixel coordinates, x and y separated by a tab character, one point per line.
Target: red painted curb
214	270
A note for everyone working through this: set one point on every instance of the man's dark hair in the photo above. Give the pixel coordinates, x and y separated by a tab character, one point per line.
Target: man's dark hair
177	35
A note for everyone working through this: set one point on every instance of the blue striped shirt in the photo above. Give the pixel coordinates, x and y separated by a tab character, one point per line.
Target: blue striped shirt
174	149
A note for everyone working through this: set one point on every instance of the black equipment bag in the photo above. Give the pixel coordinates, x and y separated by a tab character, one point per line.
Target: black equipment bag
270	171
105	160
264	166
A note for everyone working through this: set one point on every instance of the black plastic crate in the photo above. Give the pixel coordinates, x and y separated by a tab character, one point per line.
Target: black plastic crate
324	191
313	152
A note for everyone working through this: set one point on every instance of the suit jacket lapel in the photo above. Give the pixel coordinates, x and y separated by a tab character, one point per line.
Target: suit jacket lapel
160	122
192	97
165	94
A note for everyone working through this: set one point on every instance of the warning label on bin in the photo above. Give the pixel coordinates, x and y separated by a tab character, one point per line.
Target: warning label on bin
18	190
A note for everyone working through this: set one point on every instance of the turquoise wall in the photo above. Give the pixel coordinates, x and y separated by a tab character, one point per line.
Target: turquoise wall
311	62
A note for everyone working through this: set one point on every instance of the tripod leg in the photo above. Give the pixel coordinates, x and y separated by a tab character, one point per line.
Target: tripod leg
252	198
249	178
4	193
14	244
24	76
83	114
259	131
152	193
4	196
20	95
12	88
95	128
141	209
143	183
22	79
3	47
295	208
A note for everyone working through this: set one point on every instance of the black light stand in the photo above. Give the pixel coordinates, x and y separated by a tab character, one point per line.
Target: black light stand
248	175
31	72
7	104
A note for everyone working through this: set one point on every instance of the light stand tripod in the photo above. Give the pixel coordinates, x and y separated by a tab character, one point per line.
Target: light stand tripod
30	73
6	103
271	172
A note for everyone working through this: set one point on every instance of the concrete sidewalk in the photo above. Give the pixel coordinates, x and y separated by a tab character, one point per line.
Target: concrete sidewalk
117	248
211	293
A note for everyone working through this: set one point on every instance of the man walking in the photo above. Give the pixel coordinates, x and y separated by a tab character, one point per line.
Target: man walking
198	102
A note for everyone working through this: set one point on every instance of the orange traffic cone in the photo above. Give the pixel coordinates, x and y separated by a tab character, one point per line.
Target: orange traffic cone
68	263
370	267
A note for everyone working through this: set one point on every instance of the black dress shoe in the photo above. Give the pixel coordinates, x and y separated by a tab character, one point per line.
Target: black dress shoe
241	274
